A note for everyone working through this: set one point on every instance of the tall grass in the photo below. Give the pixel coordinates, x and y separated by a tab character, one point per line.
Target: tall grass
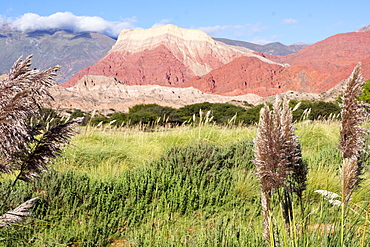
278	159
109	151
187	186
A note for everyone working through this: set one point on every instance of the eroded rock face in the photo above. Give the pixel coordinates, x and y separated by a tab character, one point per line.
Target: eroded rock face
175	57
314	69
166	55
102	93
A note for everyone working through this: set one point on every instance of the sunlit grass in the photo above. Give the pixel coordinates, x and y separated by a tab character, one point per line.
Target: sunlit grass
107	151
117	194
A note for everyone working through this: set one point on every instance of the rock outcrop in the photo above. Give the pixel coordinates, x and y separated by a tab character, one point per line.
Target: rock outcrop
192	67
166	55
102	93
314	69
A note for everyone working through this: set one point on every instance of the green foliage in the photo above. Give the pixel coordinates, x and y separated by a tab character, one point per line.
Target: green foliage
119	118
200	194
98	120
77	113
186	112
152	112
251	115
77	209
317	109
365	96
221	113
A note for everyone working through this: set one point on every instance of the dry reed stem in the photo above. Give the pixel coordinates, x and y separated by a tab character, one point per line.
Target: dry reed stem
21	96
18	214
354	115
278	159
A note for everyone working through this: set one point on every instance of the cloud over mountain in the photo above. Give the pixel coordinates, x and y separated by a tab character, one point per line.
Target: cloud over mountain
289	21
69	21
245	31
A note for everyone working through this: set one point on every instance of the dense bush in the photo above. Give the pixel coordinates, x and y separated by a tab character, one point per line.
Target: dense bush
221	113
318	110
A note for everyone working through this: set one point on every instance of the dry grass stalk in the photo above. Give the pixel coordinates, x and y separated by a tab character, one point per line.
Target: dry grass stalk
278	159
354	115
18	214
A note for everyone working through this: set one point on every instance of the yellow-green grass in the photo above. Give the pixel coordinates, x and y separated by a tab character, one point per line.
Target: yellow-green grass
116	187
107	151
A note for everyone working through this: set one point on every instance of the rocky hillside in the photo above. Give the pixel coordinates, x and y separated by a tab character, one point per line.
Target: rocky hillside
176	57
103	93
174	66
315	68
72	51
166	55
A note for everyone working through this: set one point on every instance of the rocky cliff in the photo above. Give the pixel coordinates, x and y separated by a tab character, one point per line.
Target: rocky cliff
315	68
102	93
166	55
192	67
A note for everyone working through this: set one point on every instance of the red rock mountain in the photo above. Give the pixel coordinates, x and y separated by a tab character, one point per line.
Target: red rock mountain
171	56
315	68
166	55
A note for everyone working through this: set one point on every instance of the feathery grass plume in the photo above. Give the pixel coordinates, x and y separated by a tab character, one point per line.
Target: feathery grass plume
26	148
354	114
21	96
265	160
351	139
277	159
46	145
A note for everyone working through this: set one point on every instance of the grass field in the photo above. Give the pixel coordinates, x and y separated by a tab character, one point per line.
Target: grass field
183	186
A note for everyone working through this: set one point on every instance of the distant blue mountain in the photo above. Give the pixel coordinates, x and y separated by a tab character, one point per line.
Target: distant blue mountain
276	48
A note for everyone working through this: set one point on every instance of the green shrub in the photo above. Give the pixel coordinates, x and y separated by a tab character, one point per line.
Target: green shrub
365	96
75	208
98	120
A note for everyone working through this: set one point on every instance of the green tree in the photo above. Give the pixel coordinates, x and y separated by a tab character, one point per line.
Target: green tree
146	113
251	115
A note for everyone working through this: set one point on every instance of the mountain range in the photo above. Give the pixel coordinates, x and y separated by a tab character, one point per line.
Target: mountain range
72	51
175	66
275	48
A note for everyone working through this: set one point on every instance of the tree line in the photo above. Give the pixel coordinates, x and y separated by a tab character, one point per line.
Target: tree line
219	113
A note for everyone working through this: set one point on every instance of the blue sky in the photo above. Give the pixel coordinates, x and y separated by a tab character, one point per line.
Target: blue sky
253	21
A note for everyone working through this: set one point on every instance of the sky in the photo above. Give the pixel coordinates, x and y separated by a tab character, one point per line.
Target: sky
258	21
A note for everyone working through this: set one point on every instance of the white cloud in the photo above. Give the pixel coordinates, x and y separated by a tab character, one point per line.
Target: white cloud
289	21
69	21
3	20
233	30
215	30
260	41
162	22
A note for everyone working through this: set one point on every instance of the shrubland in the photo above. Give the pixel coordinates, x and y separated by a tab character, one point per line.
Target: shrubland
222	113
